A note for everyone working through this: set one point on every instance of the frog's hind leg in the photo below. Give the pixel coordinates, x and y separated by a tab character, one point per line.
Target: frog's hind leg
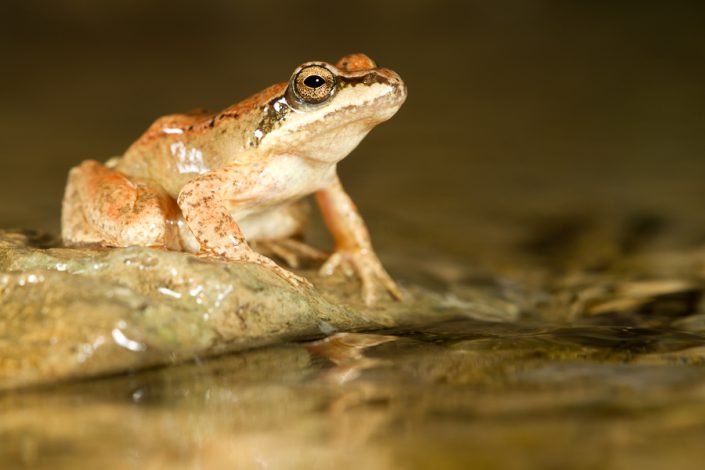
104	206
292	251
278	233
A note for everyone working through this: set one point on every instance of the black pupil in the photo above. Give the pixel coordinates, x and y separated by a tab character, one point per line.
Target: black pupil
314	81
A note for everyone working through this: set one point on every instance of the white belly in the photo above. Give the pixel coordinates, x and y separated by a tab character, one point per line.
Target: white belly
271	209
276	223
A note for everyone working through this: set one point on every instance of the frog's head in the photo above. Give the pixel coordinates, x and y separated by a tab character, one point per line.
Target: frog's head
326	110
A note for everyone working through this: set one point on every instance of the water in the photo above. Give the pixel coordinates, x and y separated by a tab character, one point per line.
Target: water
548	162
453	395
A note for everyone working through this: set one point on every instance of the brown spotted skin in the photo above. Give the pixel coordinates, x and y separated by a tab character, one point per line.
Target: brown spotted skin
209	182
177	148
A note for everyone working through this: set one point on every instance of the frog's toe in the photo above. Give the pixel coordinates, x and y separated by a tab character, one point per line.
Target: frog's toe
337	261
293	252
288	276
298	282
368	270
389	284
374	279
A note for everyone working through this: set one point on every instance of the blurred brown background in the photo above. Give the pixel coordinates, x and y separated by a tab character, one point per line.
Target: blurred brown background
518	112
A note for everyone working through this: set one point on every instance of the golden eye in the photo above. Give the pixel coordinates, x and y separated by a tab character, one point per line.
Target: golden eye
314	84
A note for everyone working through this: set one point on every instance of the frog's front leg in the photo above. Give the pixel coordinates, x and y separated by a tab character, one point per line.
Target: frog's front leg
353	249
203	204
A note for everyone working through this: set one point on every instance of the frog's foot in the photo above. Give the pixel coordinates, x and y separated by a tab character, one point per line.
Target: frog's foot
288	276
366	266
293	252
249	256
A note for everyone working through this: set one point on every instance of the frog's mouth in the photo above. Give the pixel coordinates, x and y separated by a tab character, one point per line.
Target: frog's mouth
371	99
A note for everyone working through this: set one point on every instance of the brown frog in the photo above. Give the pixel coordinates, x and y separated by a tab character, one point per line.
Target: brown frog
208	183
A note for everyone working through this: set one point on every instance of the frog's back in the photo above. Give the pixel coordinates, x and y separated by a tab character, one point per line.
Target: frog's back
172	124
178	147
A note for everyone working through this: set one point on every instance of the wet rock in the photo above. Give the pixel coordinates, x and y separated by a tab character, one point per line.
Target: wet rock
68	313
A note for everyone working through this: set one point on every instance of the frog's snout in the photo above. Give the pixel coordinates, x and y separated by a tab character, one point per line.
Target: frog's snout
393	80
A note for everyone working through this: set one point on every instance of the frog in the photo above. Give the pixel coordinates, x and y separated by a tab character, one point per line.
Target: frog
219	184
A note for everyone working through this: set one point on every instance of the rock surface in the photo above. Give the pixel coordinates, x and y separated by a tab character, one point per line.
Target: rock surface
69	313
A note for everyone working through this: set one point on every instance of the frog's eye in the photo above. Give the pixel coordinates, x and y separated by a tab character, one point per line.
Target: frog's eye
314	84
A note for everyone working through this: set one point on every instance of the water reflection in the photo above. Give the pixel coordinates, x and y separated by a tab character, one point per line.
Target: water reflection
451	395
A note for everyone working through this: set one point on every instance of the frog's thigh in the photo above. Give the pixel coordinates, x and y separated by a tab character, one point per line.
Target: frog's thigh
104	206
276	223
